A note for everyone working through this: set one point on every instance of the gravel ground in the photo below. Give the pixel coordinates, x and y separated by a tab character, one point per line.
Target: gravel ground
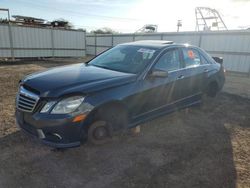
199	147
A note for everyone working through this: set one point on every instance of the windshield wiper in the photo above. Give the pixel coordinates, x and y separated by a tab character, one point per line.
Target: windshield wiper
104	67
108	68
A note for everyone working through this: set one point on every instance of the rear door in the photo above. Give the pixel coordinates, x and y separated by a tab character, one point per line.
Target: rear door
194	71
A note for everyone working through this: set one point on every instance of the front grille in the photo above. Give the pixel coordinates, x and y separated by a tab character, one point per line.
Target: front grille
26	100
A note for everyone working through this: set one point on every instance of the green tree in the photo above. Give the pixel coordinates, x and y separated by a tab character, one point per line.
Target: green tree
104	30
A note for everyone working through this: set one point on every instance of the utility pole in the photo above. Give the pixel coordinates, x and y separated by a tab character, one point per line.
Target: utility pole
179	24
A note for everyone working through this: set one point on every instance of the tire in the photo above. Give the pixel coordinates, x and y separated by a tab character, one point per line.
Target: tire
212	89
99	133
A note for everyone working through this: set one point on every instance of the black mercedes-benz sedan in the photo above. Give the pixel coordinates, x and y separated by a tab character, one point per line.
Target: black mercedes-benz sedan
121	88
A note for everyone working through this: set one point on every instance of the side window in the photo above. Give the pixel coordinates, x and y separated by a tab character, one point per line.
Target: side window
169	61
191	57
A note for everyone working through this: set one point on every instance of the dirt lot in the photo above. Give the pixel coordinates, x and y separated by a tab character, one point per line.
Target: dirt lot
204	147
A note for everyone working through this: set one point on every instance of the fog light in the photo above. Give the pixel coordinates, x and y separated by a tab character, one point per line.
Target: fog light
57	135
40	133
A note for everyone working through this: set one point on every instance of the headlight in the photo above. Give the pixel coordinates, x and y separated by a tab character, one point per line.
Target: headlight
47	106
67	105
64	106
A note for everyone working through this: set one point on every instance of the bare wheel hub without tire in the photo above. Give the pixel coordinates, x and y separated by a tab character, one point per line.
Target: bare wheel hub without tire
98	133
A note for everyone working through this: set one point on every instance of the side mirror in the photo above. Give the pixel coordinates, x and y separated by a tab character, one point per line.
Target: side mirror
159	73
218	59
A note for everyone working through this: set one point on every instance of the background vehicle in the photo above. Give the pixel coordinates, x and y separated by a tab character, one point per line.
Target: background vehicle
118	89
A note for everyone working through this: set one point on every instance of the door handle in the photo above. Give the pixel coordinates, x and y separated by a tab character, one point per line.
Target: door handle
180	77
205	70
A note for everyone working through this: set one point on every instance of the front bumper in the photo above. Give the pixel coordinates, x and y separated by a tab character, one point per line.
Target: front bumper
54	130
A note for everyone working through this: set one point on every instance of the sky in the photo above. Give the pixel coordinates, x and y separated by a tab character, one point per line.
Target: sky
130	15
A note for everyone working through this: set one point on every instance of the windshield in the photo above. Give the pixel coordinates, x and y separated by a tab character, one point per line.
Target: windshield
125	58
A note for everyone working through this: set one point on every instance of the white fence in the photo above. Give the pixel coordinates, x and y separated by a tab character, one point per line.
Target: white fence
233	46
23	42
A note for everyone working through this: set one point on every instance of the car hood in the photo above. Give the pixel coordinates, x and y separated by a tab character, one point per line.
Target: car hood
77	78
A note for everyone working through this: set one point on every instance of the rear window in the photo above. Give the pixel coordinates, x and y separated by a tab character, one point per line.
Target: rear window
204	60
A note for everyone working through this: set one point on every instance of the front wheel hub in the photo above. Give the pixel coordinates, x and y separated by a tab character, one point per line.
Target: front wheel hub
100	133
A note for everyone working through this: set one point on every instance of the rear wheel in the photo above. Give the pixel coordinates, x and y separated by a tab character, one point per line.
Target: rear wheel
212	89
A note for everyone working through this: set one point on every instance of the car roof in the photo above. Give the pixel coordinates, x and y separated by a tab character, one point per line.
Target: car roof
150	43
160	44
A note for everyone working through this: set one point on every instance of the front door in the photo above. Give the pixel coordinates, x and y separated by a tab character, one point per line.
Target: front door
157	92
